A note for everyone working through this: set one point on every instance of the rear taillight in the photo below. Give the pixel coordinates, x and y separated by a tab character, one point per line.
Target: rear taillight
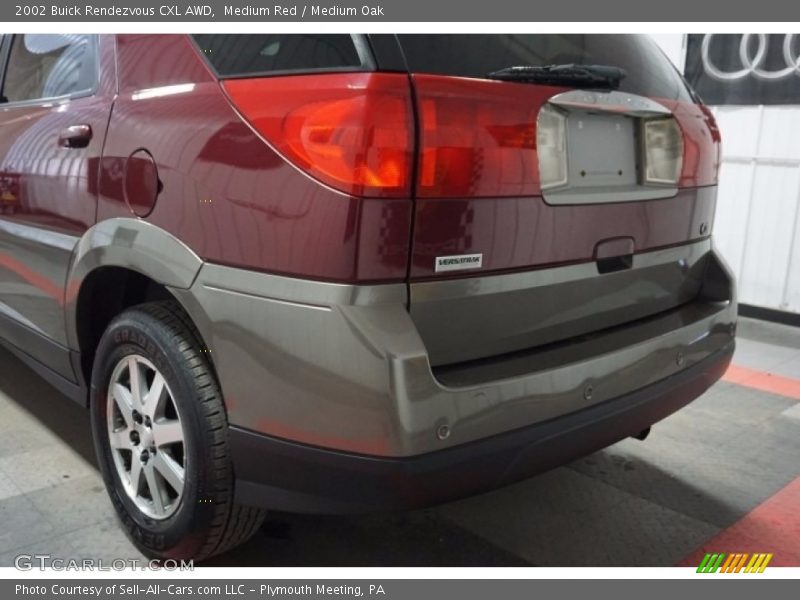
352	131
551	140
663	151
478	138
701	143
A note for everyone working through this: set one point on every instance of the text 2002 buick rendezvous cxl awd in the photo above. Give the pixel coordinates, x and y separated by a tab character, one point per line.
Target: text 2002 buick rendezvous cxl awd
334	273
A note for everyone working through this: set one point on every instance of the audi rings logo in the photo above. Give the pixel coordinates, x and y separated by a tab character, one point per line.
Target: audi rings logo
753	58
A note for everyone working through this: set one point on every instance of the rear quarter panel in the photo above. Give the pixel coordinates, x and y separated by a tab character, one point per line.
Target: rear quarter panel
224	191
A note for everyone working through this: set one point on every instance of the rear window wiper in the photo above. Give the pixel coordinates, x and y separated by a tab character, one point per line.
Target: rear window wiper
602	76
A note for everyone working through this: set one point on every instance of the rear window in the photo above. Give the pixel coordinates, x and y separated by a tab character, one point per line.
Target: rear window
238	55
649	73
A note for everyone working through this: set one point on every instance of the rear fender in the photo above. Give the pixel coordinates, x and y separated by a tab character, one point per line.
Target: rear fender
131	244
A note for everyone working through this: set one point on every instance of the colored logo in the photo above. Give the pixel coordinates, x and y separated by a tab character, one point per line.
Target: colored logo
734	563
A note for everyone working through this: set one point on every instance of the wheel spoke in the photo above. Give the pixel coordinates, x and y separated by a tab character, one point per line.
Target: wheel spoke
155	489
167	432
152	401
170	470
120	440
135	475
122	398
137	383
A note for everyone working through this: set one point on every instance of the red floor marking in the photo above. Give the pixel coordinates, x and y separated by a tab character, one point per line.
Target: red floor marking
772	526
761	380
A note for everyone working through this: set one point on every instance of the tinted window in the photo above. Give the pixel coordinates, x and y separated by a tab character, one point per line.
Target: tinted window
649	73
47	66
232	55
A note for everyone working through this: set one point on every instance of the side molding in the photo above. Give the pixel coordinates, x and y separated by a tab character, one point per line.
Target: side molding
131	244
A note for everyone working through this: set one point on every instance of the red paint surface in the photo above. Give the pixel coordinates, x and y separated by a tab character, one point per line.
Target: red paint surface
520	233
773	526
763	381
236	200
226	193
478	189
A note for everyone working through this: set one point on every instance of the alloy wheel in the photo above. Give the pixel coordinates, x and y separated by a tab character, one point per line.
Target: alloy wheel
146	437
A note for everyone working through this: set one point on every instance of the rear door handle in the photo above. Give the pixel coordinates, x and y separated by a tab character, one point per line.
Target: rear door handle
75	136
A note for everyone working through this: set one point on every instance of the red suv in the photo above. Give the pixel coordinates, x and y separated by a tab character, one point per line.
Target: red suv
342	273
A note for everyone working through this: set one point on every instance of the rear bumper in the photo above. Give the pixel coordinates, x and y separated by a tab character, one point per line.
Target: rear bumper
288	476
323	381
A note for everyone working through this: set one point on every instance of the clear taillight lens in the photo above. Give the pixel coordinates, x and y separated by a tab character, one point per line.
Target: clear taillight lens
663	151
551	146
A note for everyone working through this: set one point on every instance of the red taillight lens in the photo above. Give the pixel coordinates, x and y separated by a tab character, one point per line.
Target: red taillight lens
352	131
478	137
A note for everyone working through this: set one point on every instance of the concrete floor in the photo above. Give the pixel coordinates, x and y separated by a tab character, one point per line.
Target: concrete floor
637	503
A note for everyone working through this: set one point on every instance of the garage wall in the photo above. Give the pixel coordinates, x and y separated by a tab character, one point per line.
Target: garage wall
757	227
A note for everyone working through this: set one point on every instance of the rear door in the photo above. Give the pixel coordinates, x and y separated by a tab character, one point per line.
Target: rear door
539	205
52	124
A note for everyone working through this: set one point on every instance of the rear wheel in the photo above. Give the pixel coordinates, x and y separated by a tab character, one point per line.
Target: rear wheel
160	433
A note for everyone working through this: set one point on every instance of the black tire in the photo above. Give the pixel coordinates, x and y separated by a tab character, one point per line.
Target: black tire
207	520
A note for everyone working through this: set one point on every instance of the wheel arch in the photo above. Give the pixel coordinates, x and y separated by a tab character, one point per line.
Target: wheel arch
119	263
